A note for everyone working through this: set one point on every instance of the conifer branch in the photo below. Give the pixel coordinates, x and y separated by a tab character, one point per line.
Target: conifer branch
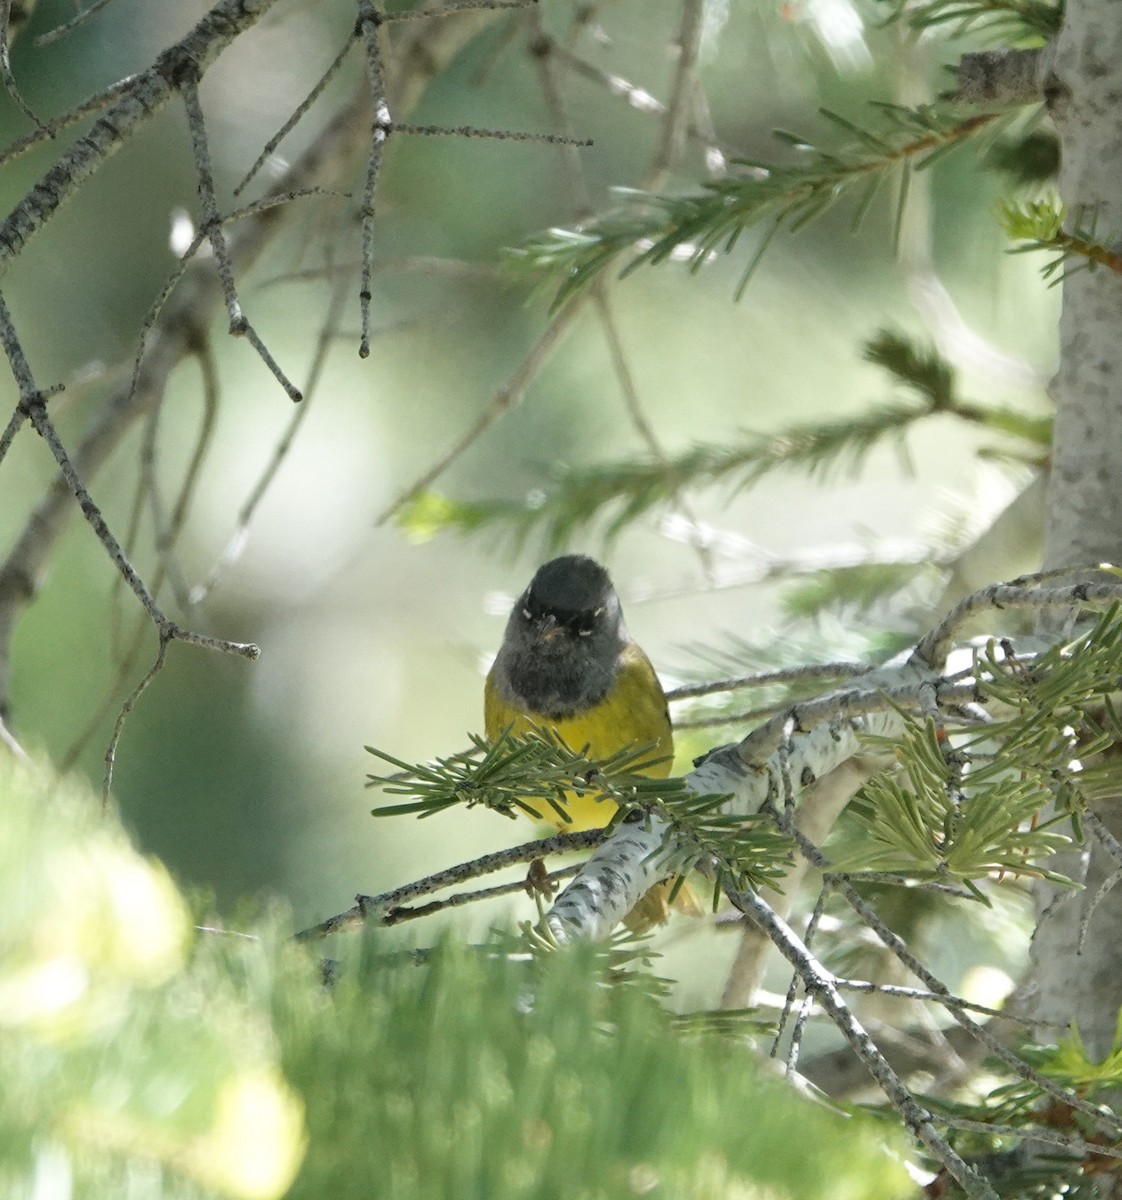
619	493
539	775
653	228
1014	17
1040	223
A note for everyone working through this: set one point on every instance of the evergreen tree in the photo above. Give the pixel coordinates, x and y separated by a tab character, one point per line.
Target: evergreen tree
865	814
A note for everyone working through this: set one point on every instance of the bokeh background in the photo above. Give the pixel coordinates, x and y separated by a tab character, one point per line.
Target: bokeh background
248	778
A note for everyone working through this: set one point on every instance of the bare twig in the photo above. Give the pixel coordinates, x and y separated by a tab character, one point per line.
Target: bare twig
506	398
297	114
896	944
1113	848
373	907
165	529
168	629
212	228
33	403
675	122
6	75
72	116
638	98
810	674
499	135
414	14
82	15
258	208
395	916
240	536
944	999
1038	1133
15	423
933	649
122	716
9	742
368	22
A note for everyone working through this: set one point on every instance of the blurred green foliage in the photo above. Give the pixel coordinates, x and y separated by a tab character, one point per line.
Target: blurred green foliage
145	1061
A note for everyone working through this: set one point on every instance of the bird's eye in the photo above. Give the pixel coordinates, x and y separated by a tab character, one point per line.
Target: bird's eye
598	613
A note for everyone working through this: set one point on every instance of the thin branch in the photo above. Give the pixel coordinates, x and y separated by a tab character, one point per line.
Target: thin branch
14	425
168	628
240	536
501	135
259	208
297	113
507	397
1113	848
368	22
896	944
716	161
123	715
542	48
945	999
149	487
374	907
675	123
539	45
1038	1133
395	916
9	742
6	75
60	31
621	368
72	116
933	649
636	97
440	10
32	401
792	991
811	674
212	228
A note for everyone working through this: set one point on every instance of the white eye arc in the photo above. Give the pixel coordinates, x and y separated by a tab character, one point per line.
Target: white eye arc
526	613
598	613
585	633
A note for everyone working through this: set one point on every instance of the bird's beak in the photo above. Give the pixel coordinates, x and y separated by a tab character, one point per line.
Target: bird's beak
548	627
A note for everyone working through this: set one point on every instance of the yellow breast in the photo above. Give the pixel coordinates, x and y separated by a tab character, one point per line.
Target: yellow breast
633	712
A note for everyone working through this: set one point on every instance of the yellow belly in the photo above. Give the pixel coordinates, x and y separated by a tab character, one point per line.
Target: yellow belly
633	713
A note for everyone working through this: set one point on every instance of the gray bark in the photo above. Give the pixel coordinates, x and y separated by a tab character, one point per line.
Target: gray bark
1084	522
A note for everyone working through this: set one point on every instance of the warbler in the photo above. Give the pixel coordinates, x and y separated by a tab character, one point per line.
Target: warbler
567	663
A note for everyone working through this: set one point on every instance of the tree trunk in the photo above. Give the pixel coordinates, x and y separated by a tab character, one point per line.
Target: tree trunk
1084	523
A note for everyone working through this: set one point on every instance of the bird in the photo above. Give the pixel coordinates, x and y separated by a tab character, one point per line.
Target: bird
568	664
